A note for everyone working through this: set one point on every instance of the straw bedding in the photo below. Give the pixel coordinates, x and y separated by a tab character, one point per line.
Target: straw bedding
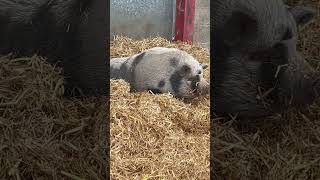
285	146
157	136
44	135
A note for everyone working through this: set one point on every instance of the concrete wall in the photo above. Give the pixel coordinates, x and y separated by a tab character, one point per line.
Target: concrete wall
142	18
201	35
147	18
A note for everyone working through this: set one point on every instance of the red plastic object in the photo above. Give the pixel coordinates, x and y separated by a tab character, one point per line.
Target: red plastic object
185	10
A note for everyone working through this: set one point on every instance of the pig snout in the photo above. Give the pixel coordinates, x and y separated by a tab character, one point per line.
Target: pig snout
300	84
203	87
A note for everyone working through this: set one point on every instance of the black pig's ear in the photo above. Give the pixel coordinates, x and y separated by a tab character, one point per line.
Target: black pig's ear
302	15
240	27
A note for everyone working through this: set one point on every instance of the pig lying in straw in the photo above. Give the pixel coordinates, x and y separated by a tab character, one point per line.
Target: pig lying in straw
162	70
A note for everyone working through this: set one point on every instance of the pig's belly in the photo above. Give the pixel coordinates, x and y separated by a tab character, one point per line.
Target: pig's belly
152	81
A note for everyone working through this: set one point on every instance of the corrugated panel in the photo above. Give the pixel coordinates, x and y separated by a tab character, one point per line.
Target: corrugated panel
142	18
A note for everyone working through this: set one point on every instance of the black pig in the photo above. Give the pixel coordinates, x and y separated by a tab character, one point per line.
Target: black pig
257	70
71	31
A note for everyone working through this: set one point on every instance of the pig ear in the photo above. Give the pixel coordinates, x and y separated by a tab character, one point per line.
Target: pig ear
204	66
302	15
240	27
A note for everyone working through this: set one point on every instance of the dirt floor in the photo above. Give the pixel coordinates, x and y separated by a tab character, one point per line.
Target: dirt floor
44	135
157	136
286	146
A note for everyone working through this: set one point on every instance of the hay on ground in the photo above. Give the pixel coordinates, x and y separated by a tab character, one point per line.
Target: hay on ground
157	136
44	135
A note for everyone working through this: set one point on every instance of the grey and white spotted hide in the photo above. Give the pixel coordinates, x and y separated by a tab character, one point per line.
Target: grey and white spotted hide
162	70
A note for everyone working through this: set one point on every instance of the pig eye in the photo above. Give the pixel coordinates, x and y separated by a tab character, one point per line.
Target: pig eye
287	35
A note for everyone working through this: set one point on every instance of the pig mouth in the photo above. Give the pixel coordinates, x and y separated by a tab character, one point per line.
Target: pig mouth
290	91
198	87
202	89
194	83
284	83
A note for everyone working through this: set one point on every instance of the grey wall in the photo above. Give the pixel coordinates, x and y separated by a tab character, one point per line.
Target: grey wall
142	18
147	18
201	34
